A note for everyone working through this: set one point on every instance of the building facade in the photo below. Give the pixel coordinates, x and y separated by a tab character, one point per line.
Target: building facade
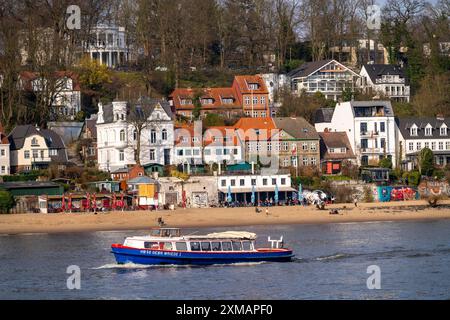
117	134
416	133
385	80
335	150
370	127
34	148
108	45
5	161
252	95
328	77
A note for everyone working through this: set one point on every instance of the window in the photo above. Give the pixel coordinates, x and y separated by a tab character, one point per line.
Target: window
263	114
382	127
255	100
164	134
411	146
122	117
253	86
226	246
152	154
3	169
343	150
180	152
153	136
433	146
237	246
206	246
218	152
188	152
121	155
447	145
246	245
242	182
223	182
363	127
263	100
253	182
427	145
2	152
313	146
195	246
418	146
441	145
283	181
286	162
331	150
265	182
247	100
428	131
233	182
207	152
274	181
441	161
216	246
269	146
382	143
413	131
443	131
235	151
35	154
364	144
151	245
196	152
313	161
285	146
305	146
122	135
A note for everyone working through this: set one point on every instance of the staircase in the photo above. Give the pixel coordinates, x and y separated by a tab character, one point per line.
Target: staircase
73	155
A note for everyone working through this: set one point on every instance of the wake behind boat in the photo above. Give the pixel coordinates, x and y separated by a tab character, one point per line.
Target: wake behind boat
168	246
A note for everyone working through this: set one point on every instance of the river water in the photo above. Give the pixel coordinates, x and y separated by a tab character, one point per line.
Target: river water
331	263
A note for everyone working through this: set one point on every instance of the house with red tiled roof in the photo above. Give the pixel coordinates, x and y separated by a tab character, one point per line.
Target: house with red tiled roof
253	95
5	161
248	95
64	90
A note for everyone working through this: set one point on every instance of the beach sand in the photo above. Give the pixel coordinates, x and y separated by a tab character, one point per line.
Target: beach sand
219	217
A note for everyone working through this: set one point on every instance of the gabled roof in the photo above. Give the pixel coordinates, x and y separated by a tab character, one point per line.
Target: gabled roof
324	115
27	77
243	82
375	71
308	68
249	126
405	124
20	133
335	140
297	127
217	94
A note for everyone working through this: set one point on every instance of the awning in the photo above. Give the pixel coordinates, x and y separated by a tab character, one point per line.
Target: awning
257	189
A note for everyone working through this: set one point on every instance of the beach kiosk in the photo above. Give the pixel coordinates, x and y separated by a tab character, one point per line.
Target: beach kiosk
145	191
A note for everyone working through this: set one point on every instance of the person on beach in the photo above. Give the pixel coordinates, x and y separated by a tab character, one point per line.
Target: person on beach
355	201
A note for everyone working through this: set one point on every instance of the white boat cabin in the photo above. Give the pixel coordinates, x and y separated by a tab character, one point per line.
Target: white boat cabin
170	239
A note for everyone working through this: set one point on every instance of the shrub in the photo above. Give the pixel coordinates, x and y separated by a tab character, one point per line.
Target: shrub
368	195
6	201
413	178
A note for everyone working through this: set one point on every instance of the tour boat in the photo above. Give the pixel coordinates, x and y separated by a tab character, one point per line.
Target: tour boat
168	246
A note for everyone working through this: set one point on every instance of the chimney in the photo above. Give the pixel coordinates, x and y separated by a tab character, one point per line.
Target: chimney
440	117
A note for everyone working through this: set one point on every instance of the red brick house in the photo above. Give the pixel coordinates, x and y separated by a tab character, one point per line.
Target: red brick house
253	95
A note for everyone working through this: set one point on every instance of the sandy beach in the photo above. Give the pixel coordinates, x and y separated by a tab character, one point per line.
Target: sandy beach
219	217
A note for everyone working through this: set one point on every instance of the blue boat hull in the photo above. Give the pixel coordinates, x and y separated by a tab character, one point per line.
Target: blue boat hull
154	257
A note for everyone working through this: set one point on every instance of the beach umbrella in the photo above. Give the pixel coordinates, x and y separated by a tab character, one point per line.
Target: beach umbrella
229	199
276	194
63	203
122	203
69	203
300	192
253	199
113	205
88	201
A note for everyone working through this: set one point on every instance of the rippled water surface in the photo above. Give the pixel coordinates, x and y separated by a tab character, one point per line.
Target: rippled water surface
331	263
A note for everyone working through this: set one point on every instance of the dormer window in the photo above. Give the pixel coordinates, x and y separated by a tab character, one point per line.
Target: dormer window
428	131
253	86
443	130
413	131
185	101
34	142
207	101
227	100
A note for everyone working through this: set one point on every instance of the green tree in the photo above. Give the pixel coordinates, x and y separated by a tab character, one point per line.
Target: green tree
385	163
196	112
6	201
426	164
213	119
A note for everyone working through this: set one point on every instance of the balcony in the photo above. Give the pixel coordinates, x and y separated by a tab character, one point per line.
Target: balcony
370	150
370	134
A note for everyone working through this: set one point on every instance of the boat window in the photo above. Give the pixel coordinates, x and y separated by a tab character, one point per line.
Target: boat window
195	246
246	245
226	246
167	245
237	246
151	245
181	246
155	233
216	246
206	246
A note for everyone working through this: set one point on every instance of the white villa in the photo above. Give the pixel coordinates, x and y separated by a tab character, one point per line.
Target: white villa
385	79
108	45
327	76
117	135
370	127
